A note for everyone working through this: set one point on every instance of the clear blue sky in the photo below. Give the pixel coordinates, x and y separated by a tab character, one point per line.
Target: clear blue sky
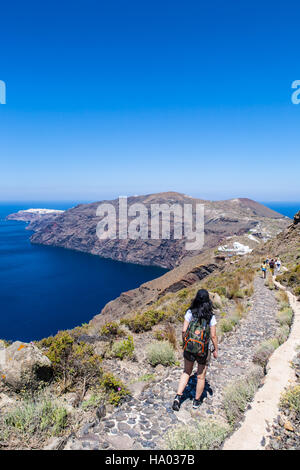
134	97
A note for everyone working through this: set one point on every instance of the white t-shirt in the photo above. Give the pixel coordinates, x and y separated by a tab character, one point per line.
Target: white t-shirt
188	316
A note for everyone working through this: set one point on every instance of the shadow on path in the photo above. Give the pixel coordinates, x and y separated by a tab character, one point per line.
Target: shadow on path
190	390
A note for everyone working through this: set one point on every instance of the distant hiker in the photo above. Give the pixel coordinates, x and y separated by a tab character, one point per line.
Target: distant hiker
272	266
199	327
264	269
278	265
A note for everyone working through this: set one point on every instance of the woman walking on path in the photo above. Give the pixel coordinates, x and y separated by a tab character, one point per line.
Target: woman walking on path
199	322
264	269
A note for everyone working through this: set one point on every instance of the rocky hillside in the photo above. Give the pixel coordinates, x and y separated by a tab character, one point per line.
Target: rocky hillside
76	229
286	246
193	269
108	384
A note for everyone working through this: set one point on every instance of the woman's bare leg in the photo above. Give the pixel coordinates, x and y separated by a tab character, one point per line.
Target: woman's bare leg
188	369
201	372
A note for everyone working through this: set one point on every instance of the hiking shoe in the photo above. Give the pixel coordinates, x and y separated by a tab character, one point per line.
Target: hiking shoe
196	403
176	403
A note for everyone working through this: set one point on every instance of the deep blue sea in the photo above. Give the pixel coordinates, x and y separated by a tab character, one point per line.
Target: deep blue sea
286	208
46	289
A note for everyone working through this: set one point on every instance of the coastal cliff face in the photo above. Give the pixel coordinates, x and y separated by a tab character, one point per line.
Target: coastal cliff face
76	229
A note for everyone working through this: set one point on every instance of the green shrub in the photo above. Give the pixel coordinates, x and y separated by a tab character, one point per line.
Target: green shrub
93	402
225	325
207	435
183	294
111	329
238	294
167	334
232	284
285	316
114	388
146	377
249	290
220	290
238	394
160	335
291	399
282	333
297	291
161	352
264	351
58	347
73	363
283	305
80	330
43	417
143	321
176	311
122	349
282	296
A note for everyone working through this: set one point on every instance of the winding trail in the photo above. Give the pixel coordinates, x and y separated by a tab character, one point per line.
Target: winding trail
253	432
143	421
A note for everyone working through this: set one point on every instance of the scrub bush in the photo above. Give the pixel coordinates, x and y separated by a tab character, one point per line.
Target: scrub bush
161	352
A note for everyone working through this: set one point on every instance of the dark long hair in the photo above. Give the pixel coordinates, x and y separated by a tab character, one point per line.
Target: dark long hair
201	306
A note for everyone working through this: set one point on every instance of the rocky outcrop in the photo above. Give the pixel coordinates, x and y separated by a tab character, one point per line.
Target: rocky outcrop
297	218
35	216
76	228
23	365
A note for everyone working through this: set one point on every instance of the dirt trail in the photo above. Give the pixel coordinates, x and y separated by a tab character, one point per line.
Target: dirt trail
253	432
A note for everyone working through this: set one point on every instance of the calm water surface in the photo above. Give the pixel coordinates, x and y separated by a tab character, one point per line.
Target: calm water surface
46	289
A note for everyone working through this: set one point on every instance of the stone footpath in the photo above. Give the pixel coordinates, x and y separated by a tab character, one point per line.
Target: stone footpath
254	433
144	419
